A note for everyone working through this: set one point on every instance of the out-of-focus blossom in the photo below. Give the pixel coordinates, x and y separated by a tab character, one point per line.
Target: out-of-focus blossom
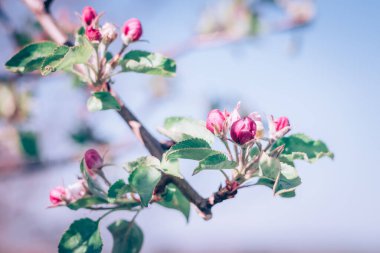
58	195
131	30
93	161
93	34
108	32
88	15
76	190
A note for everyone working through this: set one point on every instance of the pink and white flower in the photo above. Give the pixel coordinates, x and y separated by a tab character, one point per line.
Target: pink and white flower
93	34
216	121
58	195
279	127
76	190
108	32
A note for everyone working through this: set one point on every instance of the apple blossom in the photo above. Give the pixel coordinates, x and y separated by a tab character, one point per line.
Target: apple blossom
93	161
88	15
58	195
281	123
279	127
108	32
93	34
131	30
76	190
215	121
243	130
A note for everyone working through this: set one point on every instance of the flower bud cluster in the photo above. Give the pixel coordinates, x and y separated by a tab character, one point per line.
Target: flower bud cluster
243	130
93	164
130	32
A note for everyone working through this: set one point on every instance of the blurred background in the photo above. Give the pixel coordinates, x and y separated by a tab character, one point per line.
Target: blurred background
317	62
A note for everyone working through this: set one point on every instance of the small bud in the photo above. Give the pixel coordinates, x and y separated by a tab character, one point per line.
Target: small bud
108	33
88	15
279	127
131	31
281	123
243	130
93	34
58	195
93	161
215	121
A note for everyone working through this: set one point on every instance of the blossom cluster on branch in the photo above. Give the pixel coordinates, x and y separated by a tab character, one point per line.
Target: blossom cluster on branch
252	154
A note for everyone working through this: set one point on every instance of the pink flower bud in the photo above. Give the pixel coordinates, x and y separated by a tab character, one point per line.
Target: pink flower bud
279	127
215	121
93	34
58	195
281	123
93	161
88	15
131	31
243	130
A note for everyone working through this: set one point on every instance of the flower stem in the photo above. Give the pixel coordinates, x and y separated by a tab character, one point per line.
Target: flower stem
228	149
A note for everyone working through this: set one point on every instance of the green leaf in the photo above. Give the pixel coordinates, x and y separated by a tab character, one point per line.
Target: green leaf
64	57
29	145
30	58
302	147
174	199
102	101
270	183
127	237
108	56
180	128
287	181
149	161
194	149
215	162
269	167
254	151
118	189
148	63
83	236
171	167
289	194
144	179
86	202
284	182
53	60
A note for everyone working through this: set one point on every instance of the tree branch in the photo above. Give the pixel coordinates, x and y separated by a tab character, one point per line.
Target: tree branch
154	147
